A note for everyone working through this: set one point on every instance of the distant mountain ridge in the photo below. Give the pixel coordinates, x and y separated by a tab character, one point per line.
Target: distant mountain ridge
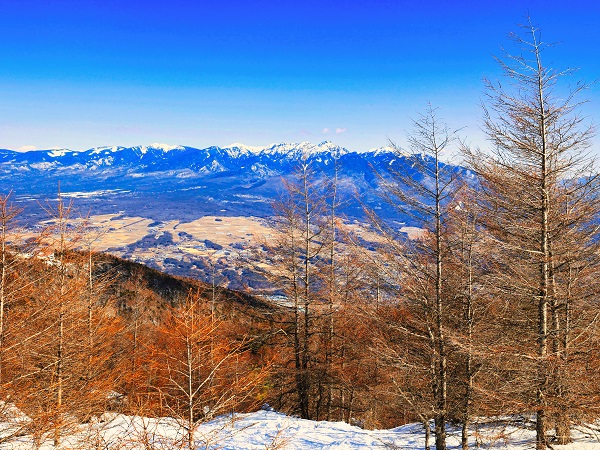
161	156
167	186
173	181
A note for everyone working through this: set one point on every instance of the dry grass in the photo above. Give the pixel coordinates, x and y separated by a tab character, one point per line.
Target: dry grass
115	231
118	232
227	230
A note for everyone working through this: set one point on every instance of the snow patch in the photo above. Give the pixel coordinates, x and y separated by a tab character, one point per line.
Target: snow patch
165	147
92	194
249	148
266	429
43	165
58	153
305	149
388	149
106	149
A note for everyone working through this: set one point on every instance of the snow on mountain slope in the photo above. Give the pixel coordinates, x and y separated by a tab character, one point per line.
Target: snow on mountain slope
107	149
58	153
143	149
163	157
159	176
247	148
305	149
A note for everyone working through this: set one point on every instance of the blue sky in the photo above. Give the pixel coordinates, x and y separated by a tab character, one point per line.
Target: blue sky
79	74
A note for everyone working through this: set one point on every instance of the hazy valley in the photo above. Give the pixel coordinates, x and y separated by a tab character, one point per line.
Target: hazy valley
192	212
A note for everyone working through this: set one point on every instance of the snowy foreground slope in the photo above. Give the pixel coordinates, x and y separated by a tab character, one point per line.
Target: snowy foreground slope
271	430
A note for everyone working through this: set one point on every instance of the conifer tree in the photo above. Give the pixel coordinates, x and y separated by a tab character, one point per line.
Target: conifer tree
539	200
416	268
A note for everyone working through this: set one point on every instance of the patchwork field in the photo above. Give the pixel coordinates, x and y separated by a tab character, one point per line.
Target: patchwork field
227	230
210	247
115	231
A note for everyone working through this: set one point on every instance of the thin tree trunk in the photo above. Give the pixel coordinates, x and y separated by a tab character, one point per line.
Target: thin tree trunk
62	280
190	393
544	274
3	224
468	235
305	407
90	317
562	422
332	296
440	400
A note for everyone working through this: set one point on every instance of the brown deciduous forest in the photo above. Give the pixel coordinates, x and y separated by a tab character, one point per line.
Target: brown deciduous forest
491	309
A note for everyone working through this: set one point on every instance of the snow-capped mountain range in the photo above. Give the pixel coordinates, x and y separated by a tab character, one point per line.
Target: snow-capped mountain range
168	180
158	157
162	185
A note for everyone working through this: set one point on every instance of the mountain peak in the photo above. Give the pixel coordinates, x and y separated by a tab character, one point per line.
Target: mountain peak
163	147
248	148
306	148
58	152
389	149
106	149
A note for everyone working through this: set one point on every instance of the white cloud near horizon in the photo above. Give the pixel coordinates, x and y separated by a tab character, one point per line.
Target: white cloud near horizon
26	148
340	130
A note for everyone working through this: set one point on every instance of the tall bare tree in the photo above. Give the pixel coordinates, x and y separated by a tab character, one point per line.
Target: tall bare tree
469	300
537	165
424	195
64	242
301	239
8	263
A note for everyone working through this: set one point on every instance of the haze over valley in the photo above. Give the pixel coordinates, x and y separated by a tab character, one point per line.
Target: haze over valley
188	211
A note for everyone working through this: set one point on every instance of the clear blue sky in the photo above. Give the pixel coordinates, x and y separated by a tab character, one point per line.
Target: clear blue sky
79	74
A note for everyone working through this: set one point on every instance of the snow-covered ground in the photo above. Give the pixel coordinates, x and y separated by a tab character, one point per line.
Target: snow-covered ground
271	430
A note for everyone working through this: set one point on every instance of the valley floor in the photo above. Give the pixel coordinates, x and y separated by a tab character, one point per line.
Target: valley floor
271	430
